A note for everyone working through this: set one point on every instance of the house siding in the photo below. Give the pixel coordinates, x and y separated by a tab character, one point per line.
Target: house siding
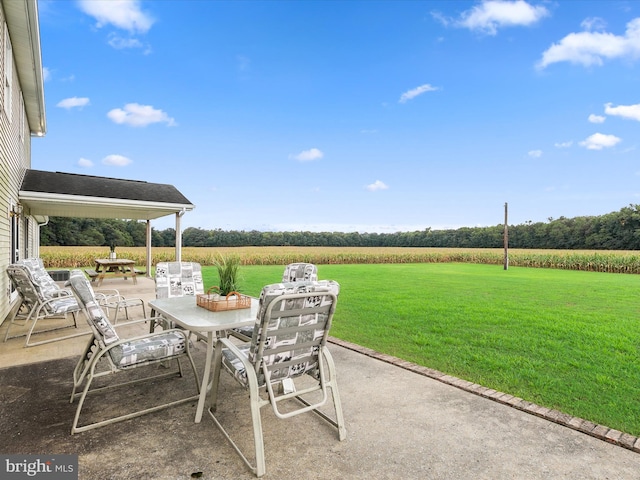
15	159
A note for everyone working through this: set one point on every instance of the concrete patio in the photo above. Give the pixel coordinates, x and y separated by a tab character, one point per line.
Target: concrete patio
403	422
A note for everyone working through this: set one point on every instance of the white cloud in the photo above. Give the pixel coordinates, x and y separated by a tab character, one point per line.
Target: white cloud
593	23
137	115
563	144
598	141
308	155
596	118
377	185
625	111
46	74
73	102
116	161
122	14
85	163
417	91
490	15
120	43
535	153
591	48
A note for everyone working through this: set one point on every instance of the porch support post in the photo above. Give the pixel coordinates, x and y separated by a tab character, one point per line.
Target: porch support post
178	236
148	248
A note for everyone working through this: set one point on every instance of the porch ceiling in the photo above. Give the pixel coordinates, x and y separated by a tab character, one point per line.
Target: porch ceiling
91	207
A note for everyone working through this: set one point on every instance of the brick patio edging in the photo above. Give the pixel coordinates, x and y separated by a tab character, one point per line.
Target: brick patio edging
600	432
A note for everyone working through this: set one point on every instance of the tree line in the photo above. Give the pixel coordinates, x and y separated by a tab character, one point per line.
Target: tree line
613	231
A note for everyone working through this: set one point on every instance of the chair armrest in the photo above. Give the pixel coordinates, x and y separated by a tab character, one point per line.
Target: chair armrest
42	304
142	320
225	342
111	292
103	297
252	376
61	293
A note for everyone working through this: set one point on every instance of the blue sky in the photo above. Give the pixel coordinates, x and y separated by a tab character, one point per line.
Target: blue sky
370	116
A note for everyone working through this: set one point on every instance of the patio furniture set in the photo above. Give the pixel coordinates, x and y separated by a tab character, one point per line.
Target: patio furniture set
267	347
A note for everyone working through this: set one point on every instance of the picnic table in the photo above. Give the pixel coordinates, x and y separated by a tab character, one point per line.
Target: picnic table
120	267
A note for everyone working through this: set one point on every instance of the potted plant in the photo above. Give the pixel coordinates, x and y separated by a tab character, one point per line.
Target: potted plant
112	250
227	273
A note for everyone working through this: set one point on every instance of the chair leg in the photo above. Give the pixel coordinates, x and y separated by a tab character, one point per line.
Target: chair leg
83	365
217	365
86	390
37	317
258	440
74	426
255	404
126	304
13	318
337	404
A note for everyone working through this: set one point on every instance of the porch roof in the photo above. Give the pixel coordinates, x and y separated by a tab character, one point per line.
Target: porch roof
59	194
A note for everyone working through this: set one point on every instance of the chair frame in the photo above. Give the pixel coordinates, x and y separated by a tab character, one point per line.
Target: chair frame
97	351
310	273
48	292
39	307
259	366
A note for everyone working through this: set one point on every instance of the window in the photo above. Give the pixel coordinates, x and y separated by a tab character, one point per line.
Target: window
25	237
8	72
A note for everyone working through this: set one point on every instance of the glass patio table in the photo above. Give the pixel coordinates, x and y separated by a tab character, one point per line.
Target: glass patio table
187	314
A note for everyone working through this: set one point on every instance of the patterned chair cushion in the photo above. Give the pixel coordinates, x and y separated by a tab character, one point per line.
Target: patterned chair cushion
233	364
128	354
137	352
294	272
300	272
86	297
178	279
23	279
48	287
62	305
276	340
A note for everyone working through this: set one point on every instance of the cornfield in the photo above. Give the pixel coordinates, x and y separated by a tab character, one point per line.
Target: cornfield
592	261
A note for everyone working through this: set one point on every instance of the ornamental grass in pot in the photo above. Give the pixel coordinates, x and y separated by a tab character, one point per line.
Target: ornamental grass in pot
228	273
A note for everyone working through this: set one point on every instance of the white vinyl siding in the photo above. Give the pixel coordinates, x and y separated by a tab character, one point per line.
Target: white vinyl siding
22	115
17	234
8	73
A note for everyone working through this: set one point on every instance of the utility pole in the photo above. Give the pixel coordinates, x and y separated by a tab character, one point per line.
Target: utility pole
506	237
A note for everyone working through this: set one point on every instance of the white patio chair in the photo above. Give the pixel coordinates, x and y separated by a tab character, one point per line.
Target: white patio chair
289	342
49	289
176	279
37	303
115	355
294	272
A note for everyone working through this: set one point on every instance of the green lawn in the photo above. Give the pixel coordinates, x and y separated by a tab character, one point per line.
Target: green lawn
563	339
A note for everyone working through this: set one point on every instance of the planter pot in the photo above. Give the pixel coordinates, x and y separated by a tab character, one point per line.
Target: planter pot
112	255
